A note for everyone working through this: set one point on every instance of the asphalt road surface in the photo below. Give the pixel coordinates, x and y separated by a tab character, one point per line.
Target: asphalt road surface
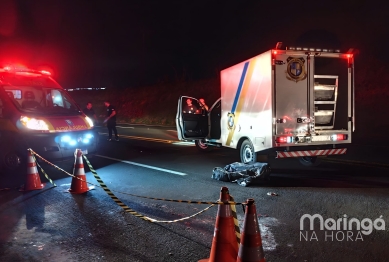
149	164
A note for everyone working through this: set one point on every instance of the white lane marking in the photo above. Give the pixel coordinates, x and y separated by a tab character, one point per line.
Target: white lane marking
184	143
130	127
146	166
143	138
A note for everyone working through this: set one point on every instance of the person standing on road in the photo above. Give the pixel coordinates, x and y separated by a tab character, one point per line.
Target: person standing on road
90	112
111	121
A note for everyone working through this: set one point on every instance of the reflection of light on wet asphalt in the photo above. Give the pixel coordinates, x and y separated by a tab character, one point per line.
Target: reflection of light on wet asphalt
355	162
268	240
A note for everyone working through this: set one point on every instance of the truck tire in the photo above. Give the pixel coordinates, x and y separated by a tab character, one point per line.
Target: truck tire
247	153
310	160
202	146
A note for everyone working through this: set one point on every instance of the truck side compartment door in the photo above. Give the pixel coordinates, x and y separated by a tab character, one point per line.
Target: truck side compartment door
191	119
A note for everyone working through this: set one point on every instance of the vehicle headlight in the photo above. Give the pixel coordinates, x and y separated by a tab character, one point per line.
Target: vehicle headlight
33	123
90	122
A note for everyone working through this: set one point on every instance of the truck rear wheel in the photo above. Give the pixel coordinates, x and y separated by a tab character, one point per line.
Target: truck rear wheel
247	153
310	161
202	146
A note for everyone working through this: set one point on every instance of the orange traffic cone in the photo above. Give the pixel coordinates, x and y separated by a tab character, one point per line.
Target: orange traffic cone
79	184
33	181
224	244
251	243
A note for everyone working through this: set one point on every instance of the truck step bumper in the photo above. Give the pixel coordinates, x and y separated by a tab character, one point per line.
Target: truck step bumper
311	153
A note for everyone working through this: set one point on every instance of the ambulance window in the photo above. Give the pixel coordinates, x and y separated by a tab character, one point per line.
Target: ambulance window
17	94
56	97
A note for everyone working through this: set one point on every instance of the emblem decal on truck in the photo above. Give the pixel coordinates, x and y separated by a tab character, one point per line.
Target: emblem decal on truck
70	123
295	69
231	120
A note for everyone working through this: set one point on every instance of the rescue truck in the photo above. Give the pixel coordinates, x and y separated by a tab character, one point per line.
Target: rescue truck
286	102
37	113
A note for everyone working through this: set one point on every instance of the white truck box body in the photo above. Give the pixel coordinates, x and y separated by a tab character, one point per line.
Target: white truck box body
246	98
282	100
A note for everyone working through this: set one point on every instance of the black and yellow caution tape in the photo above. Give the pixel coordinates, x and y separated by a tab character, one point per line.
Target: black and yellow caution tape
127	208
152	198
236	222
112	195
40	167
51	164
166	199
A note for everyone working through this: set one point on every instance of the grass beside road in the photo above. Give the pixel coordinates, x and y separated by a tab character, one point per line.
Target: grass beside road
152	105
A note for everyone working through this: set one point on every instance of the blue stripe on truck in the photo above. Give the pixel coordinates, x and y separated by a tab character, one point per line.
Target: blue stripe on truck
246	65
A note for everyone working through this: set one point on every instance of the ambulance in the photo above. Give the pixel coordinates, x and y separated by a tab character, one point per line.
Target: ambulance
294	102
37	113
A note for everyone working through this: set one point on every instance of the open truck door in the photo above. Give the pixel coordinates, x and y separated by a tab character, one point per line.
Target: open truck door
191	119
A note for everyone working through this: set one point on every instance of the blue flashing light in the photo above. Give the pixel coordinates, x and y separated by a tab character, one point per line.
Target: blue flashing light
88	136
65	139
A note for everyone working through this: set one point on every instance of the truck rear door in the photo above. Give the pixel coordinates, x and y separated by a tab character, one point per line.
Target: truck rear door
313	96
293	107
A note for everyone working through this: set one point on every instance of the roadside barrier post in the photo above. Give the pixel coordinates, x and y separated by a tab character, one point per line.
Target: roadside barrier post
250	249
224	244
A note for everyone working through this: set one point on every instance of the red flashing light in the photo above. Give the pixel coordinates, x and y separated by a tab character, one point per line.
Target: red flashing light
275	52
281	139
23	69
341	137
45	72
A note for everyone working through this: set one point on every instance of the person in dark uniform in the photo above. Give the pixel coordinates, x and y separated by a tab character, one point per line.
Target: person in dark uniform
203	104
111	121
189	108
90	112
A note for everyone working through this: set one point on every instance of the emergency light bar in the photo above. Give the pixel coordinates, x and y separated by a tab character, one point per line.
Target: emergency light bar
24	69
311	49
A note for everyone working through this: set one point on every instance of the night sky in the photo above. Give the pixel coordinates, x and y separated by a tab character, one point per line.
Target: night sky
135	43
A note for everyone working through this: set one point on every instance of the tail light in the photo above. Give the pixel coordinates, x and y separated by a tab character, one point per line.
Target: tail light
339	137
284	139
